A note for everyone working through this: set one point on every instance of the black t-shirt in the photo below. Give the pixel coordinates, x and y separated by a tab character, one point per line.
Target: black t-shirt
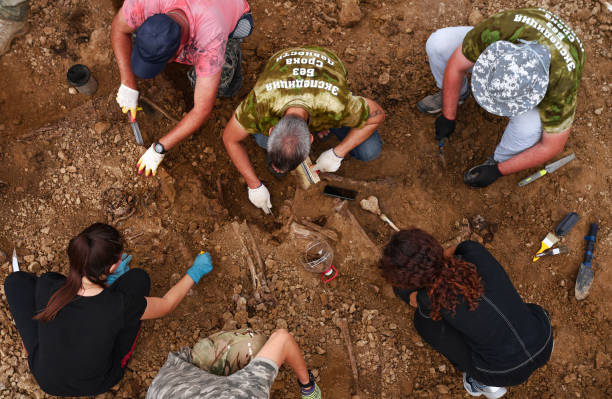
503	328
76	353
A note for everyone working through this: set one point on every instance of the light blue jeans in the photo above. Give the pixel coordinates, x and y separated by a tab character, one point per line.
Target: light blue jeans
366	151
522	132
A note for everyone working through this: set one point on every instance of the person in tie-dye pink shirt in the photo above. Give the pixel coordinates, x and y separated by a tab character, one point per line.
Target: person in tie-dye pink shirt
193	32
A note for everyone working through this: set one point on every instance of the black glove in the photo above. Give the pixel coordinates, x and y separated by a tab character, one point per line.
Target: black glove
444	127
482	175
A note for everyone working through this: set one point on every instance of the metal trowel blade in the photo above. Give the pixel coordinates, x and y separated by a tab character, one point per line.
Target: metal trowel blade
137	133
583	281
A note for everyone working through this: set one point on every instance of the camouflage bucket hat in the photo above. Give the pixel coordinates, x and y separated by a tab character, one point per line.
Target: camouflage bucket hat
510	79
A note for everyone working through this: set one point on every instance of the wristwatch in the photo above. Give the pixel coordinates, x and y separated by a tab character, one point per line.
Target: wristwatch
159	148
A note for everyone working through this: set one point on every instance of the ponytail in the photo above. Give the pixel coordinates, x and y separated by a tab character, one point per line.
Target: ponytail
91	255
456	277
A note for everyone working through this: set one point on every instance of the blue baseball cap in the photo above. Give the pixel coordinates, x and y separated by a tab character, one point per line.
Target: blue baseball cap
157	41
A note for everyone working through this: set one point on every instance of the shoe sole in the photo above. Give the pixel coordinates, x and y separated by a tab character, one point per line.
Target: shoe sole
489	395
435	111
19	33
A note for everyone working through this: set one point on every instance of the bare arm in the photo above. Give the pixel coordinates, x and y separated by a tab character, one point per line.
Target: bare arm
550	145
450	251
358	136
159	307
233	134
203	103
455	72
413	299
121	40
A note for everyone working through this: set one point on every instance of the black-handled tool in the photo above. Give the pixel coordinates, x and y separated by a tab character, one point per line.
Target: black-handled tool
585	273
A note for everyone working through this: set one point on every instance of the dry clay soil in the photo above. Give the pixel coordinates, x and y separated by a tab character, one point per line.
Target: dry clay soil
69	160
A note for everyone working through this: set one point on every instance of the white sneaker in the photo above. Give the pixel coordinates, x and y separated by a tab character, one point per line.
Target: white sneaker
475	388
8	31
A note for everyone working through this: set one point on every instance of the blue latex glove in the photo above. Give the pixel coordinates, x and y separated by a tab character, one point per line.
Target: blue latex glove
123	267
201	265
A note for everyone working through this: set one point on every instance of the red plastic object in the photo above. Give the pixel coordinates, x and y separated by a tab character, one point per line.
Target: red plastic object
333	276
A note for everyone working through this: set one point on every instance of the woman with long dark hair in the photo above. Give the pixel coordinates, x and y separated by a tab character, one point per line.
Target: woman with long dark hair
80	330
469	311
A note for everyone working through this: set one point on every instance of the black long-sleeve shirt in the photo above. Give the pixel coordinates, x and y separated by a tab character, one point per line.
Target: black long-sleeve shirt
503	331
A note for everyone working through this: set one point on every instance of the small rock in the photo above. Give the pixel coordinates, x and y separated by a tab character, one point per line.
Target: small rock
101	127
241	317
350	13
320	350
324	300
29	258
569	378
72	90
34	267
443	389
601	360
384	78
45	230
598	111
281	323
350	52
475	17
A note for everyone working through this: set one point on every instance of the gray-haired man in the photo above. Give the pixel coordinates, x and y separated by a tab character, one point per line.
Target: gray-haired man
301	90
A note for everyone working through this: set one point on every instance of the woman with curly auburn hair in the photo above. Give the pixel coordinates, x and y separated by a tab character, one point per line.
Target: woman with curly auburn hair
469	311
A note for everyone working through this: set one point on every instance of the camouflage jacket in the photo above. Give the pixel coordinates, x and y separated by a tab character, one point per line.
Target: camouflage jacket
567	59
312	78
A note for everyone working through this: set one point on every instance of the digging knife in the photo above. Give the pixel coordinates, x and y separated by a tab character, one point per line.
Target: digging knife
15	261
135	129
585	273
547	169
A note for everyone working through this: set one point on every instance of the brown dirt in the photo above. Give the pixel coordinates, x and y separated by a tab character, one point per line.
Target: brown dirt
69	160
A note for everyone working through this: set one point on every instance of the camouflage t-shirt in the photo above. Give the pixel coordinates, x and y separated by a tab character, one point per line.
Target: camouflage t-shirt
558	107
312	78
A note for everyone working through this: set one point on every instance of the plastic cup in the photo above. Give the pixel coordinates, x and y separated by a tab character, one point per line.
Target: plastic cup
79	77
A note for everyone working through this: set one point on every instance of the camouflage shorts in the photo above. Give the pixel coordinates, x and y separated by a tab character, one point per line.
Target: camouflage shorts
14	10
180	379
226	352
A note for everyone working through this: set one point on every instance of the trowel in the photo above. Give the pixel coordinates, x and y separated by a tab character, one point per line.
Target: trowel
135	127
585	273
370	204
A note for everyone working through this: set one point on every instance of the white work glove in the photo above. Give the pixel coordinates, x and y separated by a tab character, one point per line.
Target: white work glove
328	161
260	197
127	98
149	161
